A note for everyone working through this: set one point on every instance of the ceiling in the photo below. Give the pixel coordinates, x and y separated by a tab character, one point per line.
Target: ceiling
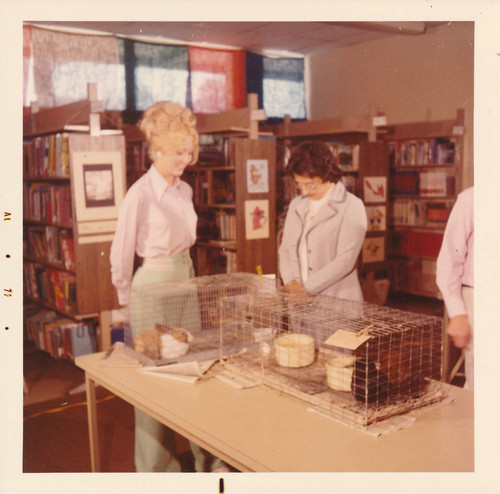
272	38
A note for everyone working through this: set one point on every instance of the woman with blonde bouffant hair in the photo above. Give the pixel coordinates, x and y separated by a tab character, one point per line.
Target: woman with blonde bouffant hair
157	222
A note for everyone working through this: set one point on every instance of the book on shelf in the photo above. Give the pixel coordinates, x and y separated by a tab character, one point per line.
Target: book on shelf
50	244
223	186
414	276
47	203
200	185
213	150
418	212
436	183
226	224
416	243
404	182
47	156
422	152
59	336
52	286
349	183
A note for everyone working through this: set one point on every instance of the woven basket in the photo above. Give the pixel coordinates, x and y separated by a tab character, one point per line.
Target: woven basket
294	350
339	373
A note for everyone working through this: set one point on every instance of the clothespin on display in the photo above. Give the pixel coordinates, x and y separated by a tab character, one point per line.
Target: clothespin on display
365	331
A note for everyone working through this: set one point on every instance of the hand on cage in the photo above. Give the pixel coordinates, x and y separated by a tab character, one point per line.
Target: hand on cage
294	286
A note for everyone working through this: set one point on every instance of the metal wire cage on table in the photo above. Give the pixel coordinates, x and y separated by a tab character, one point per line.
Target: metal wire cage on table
180	321
357	362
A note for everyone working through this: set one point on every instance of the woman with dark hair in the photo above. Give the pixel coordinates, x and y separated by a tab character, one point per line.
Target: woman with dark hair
324	228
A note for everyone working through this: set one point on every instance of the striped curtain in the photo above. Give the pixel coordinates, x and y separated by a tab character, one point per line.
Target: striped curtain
217	79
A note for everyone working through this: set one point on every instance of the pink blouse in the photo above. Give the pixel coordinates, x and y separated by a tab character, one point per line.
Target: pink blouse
155	220
455	263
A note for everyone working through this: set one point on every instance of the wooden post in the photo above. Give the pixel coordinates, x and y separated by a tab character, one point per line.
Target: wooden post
95	460
253	105
94	118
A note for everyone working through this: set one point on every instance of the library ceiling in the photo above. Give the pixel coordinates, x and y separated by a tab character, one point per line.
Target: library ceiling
280	38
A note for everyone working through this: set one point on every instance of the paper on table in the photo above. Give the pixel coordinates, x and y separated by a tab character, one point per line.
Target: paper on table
184	371
118	356
347	339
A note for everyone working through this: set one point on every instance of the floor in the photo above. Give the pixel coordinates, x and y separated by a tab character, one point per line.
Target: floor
55	435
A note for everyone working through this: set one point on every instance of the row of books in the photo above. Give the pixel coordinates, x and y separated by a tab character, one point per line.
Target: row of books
52	286
46	156
215	261
50	244
413	276
137	156
416	243
425	152
59	336
416	212
48	203
226	224
214	150
425	183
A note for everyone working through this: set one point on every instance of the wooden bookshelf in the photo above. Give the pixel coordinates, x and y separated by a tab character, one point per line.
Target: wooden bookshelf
66	242
225	200
425	169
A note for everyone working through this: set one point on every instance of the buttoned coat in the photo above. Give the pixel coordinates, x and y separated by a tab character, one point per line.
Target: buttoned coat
334	241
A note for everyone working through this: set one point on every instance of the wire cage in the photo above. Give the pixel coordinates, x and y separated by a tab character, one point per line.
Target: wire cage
180	321
359	363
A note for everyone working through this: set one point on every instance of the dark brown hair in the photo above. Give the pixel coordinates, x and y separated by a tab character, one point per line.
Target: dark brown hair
314	159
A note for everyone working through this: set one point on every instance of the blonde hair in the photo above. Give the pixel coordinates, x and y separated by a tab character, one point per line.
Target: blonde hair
166	124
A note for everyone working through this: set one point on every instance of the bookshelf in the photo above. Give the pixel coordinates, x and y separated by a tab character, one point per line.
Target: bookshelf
73	184
425	163
235	193
363	160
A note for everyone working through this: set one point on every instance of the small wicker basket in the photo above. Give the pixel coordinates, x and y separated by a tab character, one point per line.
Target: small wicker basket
294	350
339	372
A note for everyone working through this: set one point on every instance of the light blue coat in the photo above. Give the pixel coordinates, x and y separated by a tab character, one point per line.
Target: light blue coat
334	241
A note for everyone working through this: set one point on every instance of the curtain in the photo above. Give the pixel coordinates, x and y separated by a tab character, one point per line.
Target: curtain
283	87
255	75
217	79
26	64
64	63
154	72
132	75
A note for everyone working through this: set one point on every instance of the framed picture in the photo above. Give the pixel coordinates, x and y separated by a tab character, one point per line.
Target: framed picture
373	249
375	189
256	219
257	176
376	216
98	184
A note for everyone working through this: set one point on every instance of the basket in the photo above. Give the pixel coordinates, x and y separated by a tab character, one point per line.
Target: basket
339	372
294	350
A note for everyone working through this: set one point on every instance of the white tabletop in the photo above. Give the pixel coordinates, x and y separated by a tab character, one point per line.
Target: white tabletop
259	429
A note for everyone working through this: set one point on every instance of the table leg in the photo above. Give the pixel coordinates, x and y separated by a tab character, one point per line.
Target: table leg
92	420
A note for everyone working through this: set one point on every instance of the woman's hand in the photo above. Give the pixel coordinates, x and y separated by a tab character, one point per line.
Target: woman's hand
294	286
459	331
